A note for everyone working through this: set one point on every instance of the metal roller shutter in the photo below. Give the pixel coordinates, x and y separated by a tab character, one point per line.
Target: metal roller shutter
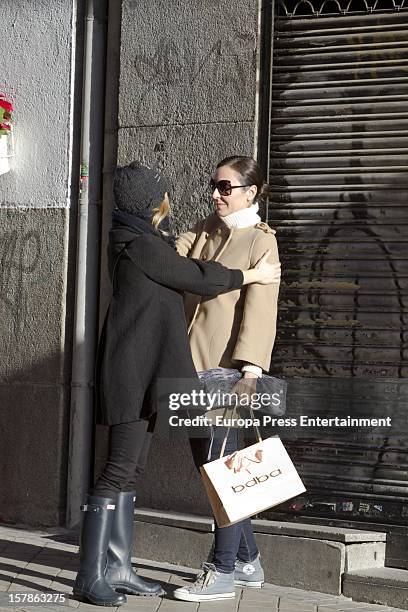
339	170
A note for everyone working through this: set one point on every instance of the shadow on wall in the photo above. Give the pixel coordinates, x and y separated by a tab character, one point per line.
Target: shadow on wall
36	314
34	416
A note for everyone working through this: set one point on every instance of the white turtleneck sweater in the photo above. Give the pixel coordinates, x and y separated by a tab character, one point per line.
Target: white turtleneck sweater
246	217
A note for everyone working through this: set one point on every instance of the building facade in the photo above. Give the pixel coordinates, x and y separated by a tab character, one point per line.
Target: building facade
317	91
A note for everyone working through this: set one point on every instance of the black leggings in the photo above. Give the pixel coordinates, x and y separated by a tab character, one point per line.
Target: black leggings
129	445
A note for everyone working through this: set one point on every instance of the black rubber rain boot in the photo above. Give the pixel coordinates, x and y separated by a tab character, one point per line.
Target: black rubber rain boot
119	572
90	584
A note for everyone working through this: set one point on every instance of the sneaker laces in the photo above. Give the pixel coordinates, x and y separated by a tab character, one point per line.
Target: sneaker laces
207	575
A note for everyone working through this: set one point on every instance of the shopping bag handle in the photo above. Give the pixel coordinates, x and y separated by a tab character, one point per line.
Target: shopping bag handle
256	428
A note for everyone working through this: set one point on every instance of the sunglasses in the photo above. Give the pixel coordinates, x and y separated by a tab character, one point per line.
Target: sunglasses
224	187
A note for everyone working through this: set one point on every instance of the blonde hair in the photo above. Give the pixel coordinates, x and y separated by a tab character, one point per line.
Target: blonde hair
161	212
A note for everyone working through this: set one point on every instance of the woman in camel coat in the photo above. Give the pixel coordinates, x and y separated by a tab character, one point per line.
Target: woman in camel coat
233	330
236	327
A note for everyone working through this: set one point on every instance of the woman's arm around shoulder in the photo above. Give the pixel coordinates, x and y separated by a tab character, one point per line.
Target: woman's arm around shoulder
161	263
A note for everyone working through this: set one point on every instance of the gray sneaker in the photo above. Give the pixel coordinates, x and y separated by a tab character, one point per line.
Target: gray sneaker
249	574
209	586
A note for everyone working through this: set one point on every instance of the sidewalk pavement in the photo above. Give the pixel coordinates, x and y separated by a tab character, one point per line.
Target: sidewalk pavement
43	565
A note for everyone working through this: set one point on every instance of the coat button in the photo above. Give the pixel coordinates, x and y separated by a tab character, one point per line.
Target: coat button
219	231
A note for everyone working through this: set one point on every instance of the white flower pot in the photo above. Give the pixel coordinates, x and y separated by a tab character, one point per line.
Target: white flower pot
4	154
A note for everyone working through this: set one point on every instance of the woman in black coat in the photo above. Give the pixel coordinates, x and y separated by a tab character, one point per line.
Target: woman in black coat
144	339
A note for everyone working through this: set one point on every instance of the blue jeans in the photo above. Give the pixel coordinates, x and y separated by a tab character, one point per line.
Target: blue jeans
235	540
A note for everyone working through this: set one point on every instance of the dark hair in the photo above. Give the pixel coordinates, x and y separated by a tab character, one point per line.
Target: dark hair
250	172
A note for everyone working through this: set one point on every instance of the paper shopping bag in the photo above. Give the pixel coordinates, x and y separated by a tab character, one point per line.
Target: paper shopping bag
250	480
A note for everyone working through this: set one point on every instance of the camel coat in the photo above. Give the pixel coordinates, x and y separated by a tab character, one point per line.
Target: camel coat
239	326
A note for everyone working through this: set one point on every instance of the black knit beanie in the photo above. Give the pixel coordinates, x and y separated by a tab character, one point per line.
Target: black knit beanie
138	189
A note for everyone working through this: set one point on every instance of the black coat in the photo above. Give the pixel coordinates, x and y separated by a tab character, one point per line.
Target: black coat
145	336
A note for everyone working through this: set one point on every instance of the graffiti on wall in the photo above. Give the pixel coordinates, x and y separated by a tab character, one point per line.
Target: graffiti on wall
222	67
19	260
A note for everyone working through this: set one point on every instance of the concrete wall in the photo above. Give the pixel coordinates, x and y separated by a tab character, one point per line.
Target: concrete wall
35	280
187	98
187	90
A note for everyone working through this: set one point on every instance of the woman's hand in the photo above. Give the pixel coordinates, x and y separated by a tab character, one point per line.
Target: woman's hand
270	273
246	385
263	272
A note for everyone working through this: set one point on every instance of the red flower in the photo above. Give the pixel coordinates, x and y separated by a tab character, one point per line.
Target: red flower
6	105
4	126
